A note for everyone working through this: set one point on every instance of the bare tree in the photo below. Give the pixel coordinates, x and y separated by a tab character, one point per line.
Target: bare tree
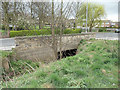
40	10
15	16
75	11
5	9
54	44
61	30
0	15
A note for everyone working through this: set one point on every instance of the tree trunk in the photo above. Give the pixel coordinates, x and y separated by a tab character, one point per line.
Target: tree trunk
31	8
31	23
6	15
54	44
39	22
61	31
42	17
14	17
90	28
76	16
0	16
39	25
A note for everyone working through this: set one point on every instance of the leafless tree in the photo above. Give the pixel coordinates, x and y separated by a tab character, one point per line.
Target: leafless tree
5	11
0	15
61	29
54	44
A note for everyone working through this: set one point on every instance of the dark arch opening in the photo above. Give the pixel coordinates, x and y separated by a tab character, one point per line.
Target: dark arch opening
67	53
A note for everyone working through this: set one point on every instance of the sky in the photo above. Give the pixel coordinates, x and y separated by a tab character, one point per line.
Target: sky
111	8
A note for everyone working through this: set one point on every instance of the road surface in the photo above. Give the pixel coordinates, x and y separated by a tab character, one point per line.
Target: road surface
7	44
108	36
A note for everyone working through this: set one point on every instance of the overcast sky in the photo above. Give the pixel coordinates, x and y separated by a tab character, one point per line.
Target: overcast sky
111	8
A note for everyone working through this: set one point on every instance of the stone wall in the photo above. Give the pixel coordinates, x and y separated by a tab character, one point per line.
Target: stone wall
39	48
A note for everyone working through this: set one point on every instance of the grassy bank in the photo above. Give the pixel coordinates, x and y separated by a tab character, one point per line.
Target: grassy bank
4	53
95	66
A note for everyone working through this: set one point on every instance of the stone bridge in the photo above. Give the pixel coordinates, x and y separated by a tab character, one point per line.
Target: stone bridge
39	48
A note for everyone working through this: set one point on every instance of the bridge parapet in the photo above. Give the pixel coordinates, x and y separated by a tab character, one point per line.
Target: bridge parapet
39	48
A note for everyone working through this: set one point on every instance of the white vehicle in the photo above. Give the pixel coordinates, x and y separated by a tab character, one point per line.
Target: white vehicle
117	30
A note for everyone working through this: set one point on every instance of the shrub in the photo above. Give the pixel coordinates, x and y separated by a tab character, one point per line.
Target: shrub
76	31
102	29
67	31
3	27
41	32
29	32
71	31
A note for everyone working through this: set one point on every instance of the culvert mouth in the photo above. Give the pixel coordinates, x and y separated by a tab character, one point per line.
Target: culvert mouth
67	53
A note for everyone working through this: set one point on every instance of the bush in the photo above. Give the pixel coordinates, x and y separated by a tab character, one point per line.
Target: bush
71	31
29	33
102	29
41	32
77	31
3	27
67	31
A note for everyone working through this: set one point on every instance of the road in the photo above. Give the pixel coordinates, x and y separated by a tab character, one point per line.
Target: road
9	43
108	36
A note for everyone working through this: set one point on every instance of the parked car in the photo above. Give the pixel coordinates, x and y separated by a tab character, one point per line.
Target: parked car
117	30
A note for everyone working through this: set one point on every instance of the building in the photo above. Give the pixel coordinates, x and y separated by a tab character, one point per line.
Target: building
109	23
114	24
82	24
106	23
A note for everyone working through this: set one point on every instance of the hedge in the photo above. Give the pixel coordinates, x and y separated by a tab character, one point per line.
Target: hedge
69	31
29	33
41	32
102	29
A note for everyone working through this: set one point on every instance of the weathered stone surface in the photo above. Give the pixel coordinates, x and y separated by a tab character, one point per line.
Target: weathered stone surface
44	54
40	48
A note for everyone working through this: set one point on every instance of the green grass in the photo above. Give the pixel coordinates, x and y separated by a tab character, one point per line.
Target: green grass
46	27
17	67
4	53
2	30
95	66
